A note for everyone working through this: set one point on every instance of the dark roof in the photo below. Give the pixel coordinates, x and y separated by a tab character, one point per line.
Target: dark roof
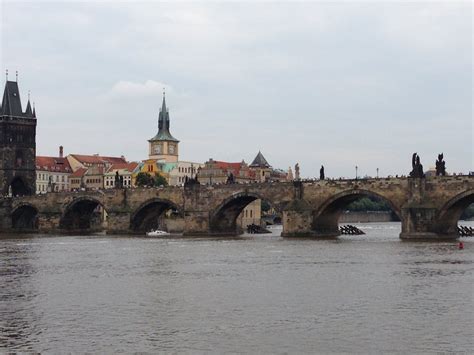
260	161
28	111
163	125
11	103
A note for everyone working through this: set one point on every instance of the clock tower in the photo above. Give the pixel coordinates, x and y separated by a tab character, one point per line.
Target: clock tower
163	146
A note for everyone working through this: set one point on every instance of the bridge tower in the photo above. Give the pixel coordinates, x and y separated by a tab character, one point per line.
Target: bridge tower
163	146
17	144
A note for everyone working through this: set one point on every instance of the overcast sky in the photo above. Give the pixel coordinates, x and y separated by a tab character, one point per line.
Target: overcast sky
340	84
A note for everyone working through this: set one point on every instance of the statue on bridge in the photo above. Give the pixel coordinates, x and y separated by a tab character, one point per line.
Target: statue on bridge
230	179
321	173
417	167
117	180
440	166
297	171
191	181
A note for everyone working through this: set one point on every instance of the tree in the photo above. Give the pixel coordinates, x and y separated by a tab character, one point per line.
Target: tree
371	204
265	206
144	179
160	180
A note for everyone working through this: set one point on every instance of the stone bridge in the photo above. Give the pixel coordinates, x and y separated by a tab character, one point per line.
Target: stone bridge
429	208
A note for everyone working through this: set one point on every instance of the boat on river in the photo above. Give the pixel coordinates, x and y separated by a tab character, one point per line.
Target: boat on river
157	233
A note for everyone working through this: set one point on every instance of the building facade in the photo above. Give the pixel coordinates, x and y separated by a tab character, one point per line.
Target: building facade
181	170
76	179
125	172
218	172
52	173
17	144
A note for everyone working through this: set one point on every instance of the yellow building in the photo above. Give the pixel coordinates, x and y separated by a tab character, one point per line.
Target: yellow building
152	167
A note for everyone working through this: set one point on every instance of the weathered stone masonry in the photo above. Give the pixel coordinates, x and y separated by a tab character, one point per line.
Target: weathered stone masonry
428	208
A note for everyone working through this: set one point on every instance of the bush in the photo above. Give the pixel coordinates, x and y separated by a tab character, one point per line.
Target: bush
365	204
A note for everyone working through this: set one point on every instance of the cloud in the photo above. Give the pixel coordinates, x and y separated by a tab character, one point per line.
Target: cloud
339	83
127	89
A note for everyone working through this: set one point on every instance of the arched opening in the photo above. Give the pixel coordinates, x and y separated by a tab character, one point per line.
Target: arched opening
84	215
157	214
19	187
236	213
356	206
25	218
458	208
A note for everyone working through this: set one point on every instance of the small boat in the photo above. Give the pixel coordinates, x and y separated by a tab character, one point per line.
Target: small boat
156	233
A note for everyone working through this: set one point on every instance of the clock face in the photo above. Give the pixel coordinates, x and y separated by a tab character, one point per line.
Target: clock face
157	149
171	149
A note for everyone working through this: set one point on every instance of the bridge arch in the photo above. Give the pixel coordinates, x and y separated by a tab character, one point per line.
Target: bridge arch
19	187
223	218
146	216
25	217
326	217
83	214
449	215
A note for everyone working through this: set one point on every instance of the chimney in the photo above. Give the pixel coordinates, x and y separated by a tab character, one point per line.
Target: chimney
61	153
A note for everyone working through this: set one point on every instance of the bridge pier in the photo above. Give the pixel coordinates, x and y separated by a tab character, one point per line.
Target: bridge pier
118	222
196	223
298	220
49	222
420	223
5	214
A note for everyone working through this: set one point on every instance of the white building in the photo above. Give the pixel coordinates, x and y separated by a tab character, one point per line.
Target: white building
124	170
52	173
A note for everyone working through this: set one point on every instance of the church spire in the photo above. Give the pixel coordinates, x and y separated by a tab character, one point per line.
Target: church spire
164	124
28	111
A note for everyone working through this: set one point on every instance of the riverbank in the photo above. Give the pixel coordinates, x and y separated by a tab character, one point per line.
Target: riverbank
367	217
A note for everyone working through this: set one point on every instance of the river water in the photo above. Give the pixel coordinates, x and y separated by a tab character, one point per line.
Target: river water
259	293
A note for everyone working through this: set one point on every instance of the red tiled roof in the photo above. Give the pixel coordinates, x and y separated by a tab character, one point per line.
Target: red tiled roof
78	173
53	164
125	166
97	159
227	167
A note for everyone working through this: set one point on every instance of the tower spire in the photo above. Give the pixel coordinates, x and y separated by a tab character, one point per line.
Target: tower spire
28	111
6	74
16	74
163	105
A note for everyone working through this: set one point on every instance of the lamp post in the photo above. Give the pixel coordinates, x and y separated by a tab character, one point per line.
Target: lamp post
377	173
356	171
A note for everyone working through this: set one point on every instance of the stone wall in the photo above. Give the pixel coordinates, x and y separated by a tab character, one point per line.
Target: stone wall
366	217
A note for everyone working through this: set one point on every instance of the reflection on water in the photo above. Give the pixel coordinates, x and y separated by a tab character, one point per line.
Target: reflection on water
370	293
